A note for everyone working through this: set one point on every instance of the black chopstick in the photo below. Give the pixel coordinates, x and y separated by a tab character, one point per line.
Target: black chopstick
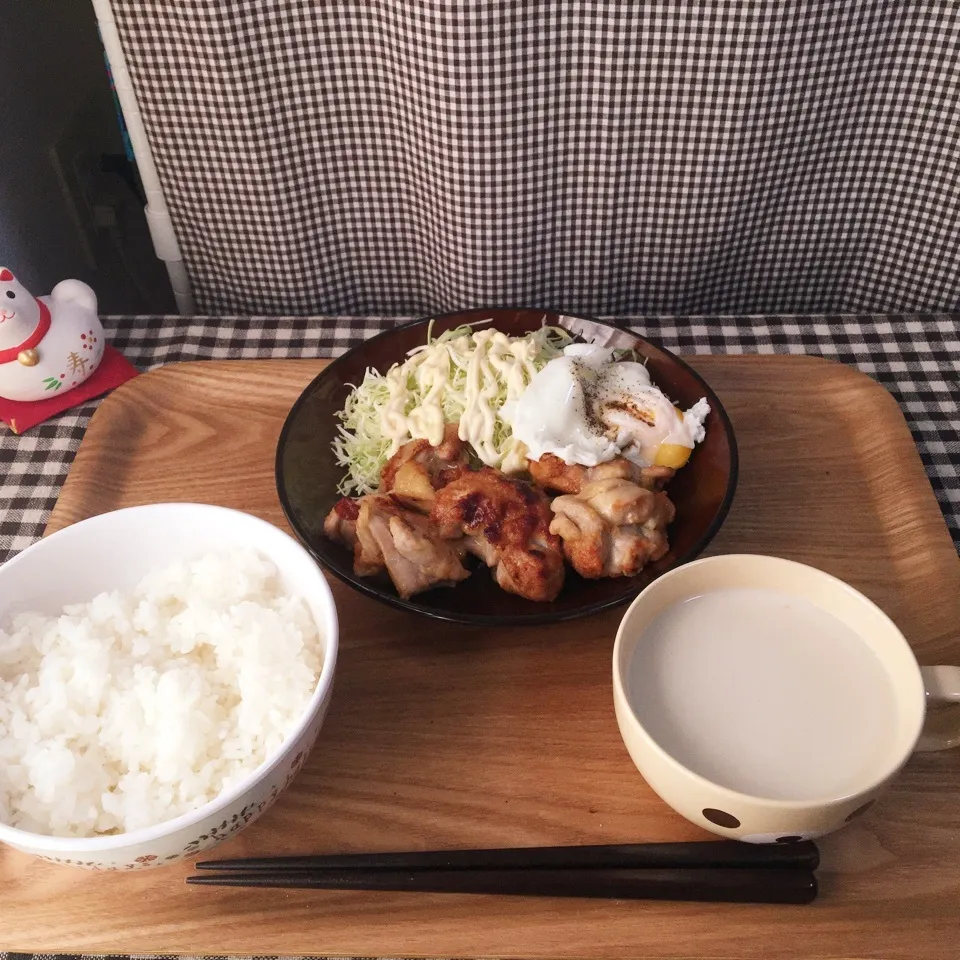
708	854
717	885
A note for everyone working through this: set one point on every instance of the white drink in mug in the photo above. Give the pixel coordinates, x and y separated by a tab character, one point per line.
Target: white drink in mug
766	700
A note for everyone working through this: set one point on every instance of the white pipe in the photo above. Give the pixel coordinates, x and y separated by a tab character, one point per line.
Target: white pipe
181	287
158	216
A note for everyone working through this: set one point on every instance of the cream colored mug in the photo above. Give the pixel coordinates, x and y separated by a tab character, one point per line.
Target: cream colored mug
765	700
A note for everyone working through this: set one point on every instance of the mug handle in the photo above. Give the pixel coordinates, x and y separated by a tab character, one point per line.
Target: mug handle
942	729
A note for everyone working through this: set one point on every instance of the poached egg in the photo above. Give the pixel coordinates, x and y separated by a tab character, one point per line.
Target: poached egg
587	408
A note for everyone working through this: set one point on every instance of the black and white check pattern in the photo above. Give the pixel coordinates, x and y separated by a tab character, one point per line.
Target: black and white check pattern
916	357
592	156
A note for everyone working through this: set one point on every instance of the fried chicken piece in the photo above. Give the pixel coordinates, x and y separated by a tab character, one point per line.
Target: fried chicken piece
554	474
506	523
612	528
368	559
586	538
620	502
412	487
384	535
479	546
416	558
417	469
653	478
340	524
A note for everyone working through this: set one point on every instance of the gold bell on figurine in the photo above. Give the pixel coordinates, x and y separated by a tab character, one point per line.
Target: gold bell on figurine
29	358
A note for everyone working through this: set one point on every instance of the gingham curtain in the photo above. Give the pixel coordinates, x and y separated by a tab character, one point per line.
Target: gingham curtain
616	157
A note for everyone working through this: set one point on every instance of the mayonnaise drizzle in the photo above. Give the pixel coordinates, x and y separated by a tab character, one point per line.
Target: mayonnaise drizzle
465	379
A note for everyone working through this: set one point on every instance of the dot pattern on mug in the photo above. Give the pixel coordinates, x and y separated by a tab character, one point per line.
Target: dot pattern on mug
720	817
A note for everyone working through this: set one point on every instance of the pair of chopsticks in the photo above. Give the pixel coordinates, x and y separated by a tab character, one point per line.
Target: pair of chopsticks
723	871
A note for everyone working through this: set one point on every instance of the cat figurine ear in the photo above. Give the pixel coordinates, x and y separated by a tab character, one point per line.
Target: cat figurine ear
47	344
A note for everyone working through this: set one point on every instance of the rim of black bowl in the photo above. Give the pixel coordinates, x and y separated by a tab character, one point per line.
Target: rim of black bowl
534	618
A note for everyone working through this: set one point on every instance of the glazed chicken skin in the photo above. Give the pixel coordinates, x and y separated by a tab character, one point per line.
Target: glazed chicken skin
612	527
552	473
383	535
507	525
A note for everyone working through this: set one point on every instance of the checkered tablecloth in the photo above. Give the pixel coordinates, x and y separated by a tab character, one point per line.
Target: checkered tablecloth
916	357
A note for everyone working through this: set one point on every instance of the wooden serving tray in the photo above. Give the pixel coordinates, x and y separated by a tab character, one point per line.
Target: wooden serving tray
445	736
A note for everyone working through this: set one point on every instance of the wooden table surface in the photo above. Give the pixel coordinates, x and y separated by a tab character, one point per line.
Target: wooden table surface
447	736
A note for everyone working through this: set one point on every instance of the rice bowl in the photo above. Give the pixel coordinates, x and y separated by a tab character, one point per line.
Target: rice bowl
113	552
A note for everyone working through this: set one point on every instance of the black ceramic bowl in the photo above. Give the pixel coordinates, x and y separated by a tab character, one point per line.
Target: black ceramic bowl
307	475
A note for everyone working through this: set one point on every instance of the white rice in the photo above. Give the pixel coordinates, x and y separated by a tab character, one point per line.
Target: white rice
137	707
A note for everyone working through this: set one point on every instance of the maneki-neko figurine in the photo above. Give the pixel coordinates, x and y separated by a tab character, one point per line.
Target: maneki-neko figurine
47	344
49	347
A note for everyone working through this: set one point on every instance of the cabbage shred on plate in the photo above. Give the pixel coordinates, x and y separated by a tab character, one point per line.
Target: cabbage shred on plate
462	376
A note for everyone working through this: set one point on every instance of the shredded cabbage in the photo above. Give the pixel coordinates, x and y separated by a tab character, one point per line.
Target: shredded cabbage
462	376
